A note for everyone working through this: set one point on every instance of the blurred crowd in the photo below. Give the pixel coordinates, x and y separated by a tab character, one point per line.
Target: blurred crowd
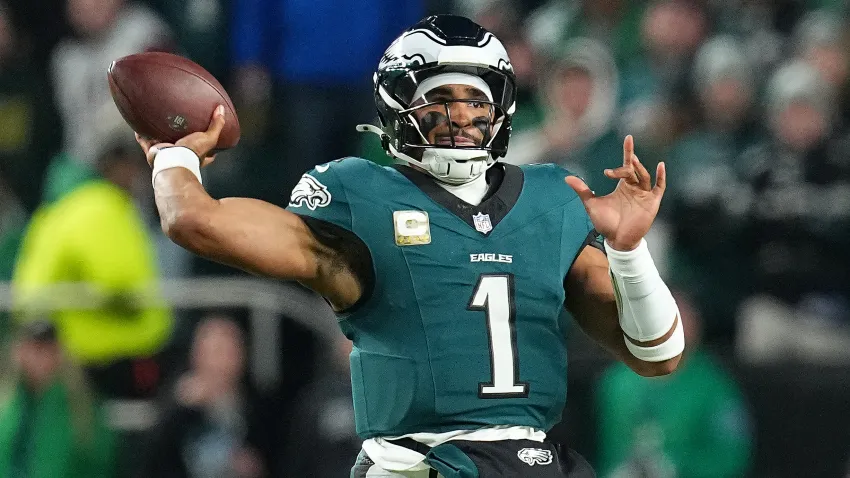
746	101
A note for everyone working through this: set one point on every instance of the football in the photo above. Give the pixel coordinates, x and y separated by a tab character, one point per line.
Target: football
166	97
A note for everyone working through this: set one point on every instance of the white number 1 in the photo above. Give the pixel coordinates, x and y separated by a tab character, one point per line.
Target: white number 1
494	294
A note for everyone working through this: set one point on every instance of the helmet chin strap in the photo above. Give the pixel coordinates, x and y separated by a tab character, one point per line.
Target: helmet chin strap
445	167
443	163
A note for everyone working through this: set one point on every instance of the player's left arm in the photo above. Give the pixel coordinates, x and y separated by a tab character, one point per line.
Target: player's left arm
620	300
593	303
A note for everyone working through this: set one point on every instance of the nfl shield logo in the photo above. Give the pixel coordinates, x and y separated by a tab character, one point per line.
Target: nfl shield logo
482	223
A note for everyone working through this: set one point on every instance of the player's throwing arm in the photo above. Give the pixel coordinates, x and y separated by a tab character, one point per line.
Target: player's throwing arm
249	234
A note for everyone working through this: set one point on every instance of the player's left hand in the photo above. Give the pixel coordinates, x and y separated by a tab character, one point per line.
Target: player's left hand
624	216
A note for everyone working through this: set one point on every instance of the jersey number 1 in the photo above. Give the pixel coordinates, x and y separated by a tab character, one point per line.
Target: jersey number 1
494	294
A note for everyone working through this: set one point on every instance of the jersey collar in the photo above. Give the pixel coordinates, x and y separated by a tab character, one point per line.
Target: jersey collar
505	185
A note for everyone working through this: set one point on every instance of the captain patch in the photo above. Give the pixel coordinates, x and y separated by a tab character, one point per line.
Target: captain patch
411	228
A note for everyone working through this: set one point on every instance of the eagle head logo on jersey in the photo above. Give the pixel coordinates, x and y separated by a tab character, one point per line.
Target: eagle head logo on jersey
310	192
535	456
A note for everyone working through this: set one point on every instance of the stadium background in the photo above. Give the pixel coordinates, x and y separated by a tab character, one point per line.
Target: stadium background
748	102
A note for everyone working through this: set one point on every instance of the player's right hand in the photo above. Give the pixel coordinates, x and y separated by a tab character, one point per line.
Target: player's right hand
150	147
201	143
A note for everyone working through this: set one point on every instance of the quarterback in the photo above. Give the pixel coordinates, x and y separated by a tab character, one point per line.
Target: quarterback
455	275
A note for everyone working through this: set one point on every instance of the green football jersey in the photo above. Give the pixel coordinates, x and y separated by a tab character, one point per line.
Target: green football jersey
465	325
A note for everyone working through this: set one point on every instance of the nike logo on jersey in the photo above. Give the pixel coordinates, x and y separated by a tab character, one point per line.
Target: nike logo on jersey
503	258
535	456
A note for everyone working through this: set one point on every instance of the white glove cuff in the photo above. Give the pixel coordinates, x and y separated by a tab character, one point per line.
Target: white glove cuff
176	157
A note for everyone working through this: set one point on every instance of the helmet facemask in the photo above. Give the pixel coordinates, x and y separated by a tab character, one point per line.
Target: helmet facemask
451	137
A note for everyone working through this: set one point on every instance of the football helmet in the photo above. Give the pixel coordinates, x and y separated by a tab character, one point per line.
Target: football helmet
441	50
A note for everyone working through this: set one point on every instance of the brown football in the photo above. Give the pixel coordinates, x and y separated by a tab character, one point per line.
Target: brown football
166	97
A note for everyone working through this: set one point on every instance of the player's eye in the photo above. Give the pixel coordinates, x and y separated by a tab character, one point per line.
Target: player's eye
476	104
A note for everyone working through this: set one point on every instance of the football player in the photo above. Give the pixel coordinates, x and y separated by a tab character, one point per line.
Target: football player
452	273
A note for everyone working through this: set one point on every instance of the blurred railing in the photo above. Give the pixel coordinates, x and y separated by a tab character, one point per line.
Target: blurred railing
265	301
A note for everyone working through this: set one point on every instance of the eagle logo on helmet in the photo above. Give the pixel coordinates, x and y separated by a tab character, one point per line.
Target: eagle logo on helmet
535	456
391	61
310	192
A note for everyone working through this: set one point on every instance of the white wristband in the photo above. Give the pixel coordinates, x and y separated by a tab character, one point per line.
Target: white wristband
176	157
646	307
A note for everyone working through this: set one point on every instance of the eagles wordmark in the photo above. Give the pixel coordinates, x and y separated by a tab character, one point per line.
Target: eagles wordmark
491	257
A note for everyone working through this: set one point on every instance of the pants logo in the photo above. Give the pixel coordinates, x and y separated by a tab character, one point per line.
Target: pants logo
535	456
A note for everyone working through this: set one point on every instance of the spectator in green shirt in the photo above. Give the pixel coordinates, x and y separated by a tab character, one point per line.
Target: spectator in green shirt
51	426
693	423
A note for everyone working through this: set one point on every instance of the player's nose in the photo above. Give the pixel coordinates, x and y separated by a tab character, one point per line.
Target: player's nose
461	114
